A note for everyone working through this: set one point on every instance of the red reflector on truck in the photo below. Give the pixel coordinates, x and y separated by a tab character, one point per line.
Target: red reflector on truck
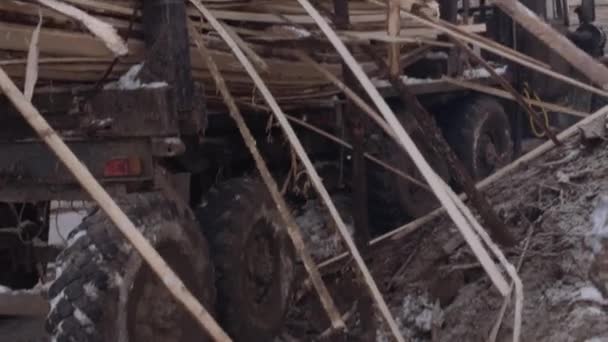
123	167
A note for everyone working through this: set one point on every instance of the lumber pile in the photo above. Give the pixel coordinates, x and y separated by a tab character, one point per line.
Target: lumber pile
273	29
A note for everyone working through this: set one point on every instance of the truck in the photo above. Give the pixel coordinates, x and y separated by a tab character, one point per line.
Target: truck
182	173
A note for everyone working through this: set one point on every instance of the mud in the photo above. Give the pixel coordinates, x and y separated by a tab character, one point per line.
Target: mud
442	294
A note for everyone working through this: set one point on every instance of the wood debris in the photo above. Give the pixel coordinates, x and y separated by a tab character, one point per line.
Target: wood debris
268	31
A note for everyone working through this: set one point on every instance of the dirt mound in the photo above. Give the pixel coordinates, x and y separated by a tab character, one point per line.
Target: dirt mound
553	200
438	291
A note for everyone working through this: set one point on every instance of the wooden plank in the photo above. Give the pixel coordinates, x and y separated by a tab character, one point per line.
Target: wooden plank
15	37
394	27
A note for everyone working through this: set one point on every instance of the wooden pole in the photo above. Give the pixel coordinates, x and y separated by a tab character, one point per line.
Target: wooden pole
292	227
312	173
117	216
555	41
394	28
431	177
357	127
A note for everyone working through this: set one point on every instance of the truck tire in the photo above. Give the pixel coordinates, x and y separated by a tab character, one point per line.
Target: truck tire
480	134
104	291
253	258
393	200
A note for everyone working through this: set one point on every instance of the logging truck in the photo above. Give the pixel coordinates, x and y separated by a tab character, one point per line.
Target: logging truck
164	154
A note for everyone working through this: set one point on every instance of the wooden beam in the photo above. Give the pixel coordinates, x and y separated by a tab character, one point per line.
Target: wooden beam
394	27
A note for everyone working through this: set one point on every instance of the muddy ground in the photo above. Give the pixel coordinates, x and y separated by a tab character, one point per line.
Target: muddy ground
445	296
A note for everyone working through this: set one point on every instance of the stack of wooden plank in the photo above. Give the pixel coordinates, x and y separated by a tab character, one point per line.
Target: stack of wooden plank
271	28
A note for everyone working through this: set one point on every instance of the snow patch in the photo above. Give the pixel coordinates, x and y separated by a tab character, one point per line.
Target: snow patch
130	81
599	218
592	294
91	290
4	289
468	74
561	293
322	243
319	232
72	240
118	280
597	339
482	72
58	271
414	318
438	55
55	300
298	32
82	317
417	311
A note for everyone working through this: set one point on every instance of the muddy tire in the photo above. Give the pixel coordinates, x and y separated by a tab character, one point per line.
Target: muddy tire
393	200
103	290
480	134
253	258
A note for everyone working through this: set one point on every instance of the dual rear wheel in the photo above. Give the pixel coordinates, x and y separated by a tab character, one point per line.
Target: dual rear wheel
478	131
104	291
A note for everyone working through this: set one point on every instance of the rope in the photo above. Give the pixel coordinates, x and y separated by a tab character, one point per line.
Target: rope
530	94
